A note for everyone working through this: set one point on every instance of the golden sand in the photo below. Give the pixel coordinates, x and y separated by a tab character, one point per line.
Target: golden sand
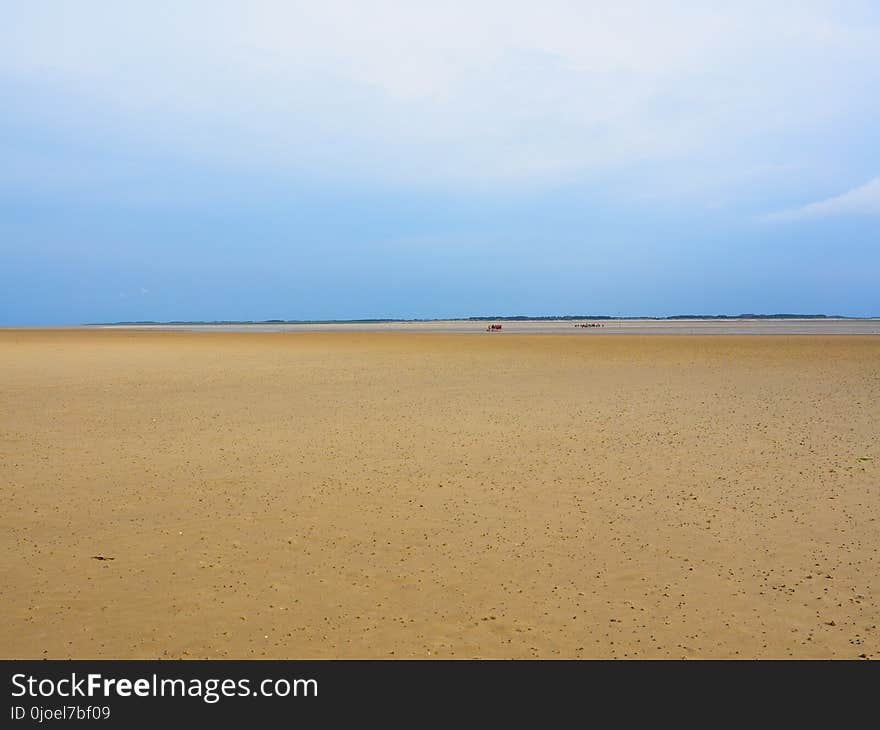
355	494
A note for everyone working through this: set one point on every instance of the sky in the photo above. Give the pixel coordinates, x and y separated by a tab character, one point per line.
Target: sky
285	160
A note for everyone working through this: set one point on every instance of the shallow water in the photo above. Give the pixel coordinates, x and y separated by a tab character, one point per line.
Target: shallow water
632	327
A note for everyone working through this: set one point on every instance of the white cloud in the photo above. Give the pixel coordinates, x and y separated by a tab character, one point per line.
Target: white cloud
472	91
863	200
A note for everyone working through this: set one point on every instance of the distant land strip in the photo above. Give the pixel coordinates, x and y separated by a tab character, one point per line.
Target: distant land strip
500	318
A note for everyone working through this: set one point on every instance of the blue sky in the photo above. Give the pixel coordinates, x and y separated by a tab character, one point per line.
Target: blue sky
232	160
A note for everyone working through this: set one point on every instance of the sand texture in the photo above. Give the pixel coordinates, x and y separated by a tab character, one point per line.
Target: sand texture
389	494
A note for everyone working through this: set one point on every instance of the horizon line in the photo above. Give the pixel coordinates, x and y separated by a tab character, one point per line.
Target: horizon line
476	318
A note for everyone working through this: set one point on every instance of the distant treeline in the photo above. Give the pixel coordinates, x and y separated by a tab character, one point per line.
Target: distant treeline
756	316
566	317
256	321
500	318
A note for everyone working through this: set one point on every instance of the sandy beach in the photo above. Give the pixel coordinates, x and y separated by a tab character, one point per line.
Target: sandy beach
347	494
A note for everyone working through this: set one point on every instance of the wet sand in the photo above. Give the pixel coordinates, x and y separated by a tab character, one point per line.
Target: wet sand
395	494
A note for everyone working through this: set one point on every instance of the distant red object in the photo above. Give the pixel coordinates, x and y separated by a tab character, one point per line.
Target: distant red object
493	328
